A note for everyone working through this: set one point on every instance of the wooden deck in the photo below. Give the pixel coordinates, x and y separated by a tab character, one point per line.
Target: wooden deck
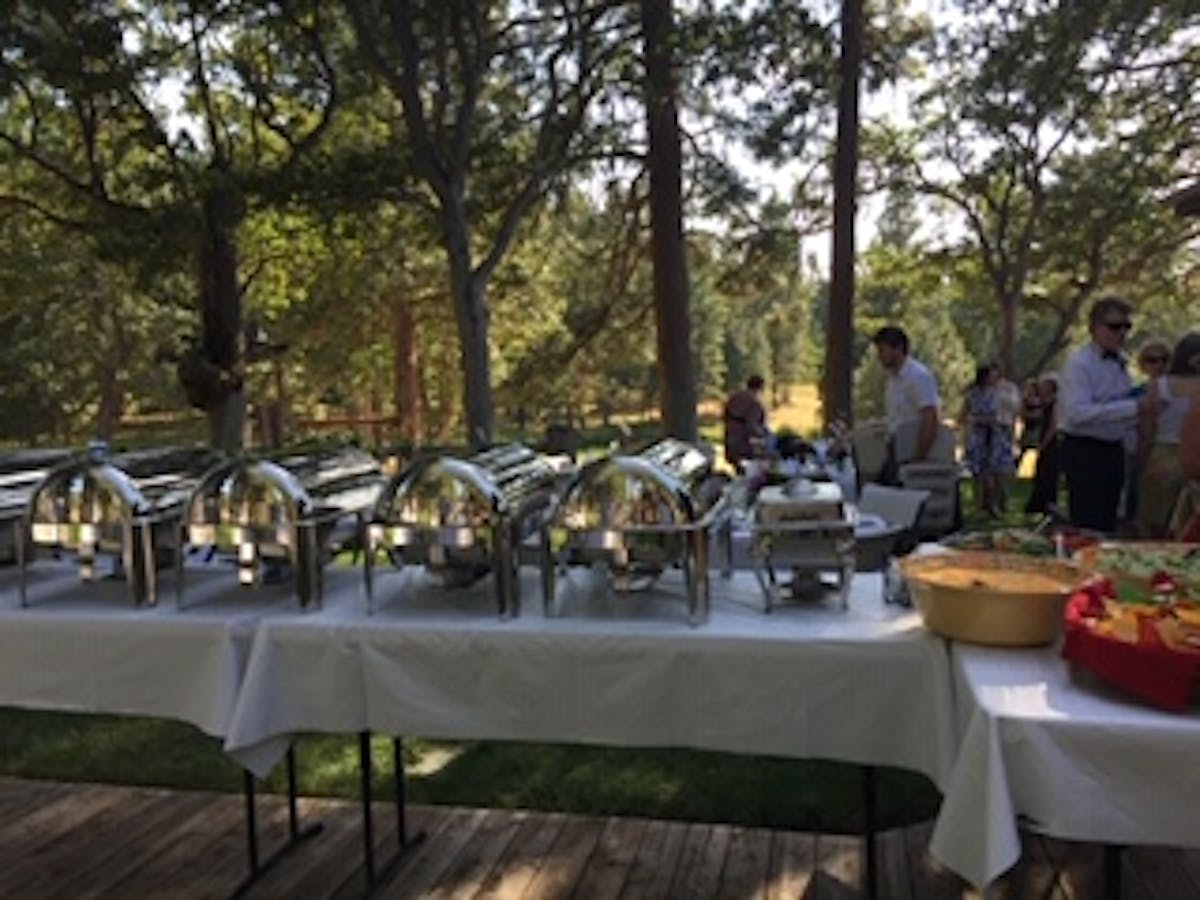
76	841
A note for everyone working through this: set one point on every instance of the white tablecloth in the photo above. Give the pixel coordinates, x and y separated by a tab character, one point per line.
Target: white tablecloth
1070	759
86	648
868	686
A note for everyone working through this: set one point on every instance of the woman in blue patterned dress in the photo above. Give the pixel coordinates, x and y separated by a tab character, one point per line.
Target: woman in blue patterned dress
988	441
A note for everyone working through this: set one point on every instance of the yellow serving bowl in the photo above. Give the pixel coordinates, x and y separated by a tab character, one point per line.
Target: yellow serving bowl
1000	599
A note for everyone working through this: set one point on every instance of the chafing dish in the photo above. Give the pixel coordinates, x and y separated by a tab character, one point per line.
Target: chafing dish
296	509
21	471
126	505
635	515
807	528
462	518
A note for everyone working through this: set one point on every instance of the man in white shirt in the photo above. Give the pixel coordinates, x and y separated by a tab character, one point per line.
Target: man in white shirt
1097	415
910	392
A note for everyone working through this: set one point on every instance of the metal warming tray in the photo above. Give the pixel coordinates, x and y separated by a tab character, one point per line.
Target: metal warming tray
292	511
636	515
462	518
127	506
21	471
806	528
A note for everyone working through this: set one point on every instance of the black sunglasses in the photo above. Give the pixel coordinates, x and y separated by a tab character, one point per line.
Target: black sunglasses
1118	326
1155	359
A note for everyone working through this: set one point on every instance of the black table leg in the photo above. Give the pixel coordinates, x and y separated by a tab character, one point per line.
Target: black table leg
870	875
296	834
251	820
364	771
374	877
1112	872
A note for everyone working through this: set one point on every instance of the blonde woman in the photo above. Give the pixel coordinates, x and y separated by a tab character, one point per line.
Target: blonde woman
1168	438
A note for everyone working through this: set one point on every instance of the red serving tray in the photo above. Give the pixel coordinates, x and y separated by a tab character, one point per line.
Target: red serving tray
1150	670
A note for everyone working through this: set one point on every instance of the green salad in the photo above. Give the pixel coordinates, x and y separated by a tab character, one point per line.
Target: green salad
1003	540
1181	562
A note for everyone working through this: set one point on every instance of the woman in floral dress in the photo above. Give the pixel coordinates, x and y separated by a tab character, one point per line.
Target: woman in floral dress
988	441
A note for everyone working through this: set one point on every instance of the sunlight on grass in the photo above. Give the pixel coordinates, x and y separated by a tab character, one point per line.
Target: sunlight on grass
434	759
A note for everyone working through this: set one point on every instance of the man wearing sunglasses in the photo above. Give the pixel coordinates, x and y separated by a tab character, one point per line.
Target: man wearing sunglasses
1098	416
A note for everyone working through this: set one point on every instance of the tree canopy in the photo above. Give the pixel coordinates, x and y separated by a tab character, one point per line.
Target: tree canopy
437	216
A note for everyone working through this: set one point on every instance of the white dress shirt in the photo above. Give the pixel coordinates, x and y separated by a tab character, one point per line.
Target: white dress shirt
907	391
1094	396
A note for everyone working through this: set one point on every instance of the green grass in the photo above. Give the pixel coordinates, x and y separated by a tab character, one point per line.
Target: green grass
675	784
1014	516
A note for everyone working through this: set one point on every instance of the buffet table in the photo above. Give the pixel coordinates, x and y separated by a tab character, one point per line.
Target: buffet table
869	686
86	648
1073	761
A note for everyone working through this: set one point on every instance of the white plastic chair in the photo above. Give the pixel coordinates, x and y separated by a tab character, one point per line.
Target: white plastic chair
900	509
939	474
944	448
870	445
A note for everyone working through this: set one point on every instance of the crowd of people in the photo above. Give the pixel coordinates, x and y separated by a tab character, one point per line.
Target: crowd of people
1128	451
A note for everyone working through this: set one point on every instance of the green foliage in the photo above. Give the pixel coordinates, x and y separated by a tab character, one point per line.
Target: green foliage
1052	130
1044	137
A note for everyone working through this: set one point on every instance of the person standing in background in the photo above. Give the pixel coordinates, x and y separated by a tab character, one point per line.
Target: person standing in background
1032	417
1152	359
1162	438
1008	407
987	439
745	420
910	395
1049	464
1097	414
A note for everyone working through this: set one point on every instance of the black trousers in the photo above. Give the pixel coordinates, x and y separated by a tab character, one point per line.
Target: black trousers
1095	473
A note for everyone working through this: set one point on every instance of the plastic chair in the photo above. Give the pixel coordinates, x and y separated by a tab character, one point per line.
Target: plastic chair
939	474
900	509
944	449
870	447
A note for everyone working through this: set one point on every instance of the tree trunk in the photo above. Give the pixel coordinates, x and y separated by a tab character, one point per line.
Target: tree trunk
227	421
112	403
471	314
114	351
839	362
1009	306
677	376
406	370
221	308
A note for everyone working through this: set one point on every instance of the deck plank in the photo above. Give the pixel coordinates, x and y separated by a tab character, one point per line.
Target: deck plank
611	861
656	860
929	877
521	859
683	884
839	868
747	863
789	873
421	871
87	844
1158	872
706	878
171	848
894	880
75	841
467	874
564	864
